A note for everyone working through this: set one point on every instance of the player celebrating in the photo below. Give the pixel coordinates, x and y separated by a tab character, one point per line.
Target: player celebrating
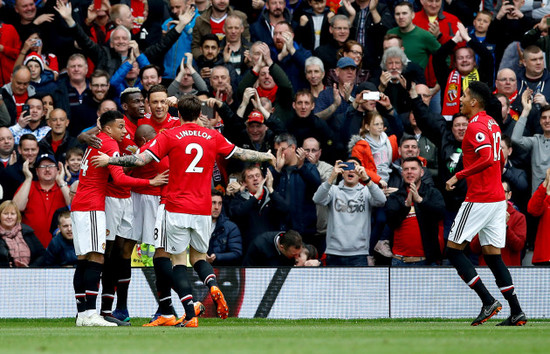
192	151
484	210
88	217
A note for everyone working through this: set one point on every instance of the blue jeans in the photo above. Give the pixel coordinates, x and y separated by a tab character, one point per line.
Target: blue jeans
347	261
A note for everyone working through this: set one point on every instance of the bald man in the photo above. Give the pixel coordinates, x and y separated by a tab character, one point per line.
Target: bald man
507	84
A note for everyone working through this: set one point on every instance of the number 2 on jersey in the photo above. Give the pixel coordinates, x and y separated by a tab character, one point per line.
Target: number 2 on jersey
192	168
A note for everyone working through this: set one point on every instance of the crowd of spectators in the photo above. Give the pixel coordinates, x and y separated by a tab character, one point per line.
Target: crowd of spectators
358	100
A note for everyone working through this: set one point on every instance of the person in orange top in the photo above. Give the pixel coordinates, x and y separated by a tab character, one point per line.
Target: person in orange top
375	149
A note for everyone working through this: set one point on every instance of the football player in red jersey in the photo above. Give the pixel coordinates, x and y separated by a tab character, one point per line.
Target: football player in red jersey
159	118
88	216
192	151
484	210
119	219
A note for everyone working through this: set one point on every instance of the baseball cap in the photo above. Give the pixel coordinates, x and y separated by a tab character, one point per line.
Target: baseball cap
367	85
345	62
42	157
255	117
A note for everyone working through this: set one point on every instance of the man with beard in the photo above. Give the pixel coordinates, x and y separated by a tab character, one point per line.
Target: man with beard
211	57
288	54
275	11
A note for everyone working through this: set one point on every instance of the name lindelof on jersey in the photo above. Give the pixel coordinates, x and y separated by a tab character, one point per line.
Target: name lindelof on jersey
197	133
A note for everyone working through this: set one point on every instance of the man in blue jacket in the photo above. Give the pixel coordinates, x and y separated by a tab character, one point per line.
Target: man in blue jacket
225	246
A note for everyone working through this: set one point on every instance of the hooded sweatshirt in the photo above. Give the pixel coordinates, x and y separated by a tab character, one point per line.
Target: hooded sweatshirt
349	214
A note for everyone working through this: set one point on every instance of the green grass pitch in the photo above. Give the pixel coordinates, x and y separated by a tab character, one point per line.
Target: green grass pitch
276	336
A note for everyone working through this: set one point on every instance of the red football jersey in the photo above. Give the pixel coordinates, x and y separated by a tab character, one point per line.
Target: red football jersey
169	122
92	188
126	147
148	171
485	186
192	151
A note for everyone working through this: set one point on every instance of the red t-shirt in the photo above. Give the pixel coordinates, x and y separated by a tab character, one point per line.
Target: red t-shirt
55	144
217	28
92	188
126	147
407	240
192	151
19	102
41	206
485	186
168	122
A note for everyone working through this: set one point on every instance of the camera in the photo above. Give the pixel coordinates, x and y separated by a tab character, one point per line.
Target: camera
207	111
350	166
371	96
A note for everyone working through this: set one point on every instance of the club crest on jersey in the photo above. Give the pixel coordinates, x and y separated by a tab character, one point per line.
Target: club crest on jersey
107	233
480	137
103	245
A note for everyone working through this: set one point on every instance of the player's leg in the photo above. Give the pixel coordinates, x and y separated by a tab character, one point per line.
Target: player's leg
206	275
80	288
466	225
89	242
165	315
178	236
200	238
492	239
504	282
109	278
124	262
124	268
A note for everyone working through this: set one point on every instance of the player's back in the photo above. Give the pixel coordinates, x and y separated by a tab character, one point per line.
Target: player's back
90	194
192	151
483	132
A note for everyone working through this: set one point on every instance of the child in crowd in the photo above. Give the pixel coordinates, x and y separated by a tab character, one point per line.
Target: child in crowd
72	164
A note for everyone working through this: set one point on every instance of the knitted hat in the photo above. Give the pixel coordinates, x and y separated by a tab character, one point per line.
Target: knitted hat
36	57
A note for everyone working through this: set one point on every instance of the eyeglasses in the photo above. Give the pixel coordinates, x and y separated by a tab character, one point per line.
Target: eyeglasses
99	85
341	28
47	166
312	150
356	52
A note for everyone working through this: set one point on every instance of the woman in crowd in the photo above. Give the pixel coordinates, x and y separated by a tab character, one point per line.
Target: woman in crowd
19	247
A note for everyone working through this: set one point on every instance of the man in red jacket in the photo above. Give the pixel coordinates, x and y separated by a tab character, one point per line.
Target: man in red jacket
516	234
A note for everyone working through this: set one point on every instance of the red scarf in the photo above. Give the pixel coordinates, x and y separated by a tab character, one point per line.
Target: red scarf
453	90
18	248
270	94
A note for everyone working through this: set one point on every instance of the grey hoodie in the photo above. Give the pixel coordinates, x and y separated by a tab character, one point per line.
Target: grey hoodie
349	214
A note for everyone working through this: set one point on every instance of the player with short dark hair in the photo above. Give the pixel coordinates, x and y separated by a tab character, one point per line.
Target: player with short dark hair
192	151
484	210
88	217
